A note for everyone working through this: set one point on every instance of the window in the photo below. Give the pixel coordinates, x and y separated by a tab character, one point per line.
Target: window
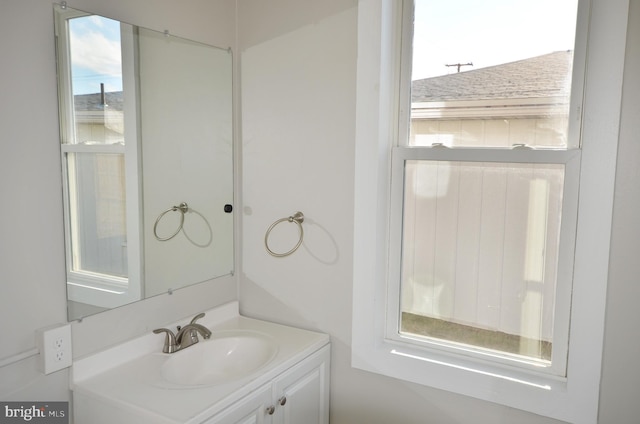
484	183
99	157
485	205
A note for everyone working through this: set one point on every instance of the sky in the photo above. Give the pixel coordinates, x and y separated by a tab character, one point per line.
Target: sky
482	32
95	54
488	32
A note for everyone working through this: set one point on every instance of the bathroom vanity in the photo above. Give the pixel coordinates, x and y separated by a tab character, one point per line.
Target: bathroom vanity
248	371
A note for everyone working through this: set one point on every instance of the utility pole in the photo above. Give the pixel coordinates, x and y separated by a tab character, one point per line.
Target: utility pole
459	65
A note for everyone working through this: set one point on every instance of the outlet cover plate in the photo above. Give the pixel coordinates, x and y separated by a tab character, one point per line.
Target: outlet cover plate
54	344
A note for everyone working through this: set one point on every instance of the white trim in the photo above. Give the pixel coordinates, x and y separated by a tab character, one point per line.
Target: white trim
507	108
102	291
574	400
93	148
372	152
486	154
132	162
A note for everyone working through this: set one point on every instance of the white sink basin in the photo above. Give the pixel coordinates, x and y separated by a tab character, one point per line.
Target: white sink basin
226	356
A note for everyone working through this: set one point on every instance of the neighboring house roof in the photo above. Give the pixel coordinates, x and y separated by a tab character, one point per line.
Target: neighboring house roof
537	77
92	102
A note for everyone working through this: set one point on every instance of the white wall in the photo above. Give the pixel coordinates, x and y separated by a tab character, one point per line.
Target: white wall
620	390
31	243
299	113
298	66
32	258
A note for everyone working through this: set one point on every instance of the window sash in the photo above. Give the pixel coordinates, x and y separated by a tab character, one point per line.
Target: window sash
404	57
86	286
569	156
571	160
485	154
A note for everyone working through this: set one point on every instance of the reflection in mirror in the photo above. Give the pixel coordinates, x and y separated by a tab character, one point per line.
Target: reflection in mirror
145	126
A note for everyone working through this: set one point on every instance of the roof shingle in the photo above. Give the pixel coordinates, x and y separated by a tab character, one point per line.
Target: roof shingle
542	76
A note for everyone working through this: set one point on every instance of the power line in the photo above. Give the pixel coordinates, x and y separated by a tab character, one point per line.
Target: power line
459	65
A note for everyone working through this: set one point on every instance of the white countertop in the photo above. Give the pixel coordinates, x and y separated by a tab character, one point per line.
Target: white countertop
126	376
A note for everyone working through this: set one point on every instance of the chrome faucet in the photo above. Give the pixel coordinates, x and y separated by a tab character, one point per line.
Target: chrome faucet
191	336
186	336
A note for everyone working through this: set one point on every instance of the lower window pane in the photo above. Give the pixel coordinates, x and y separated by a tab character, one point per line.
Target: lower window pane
97	213
480	249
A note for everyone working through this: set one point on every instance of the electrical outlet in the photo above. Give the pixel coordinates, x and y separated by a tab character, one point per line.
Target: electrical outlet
54	344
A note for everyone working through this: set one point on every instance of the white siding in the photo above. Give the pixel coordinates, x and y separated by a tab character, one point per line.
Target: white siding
465	226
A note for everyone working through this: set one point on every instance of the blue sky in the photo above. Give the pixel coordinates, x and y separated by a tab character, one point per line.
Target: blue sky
96	55
488	32
484	32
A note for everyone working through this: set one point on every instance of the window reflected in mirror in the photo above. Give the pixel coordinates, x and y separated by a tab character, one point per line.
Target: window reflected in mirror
145	125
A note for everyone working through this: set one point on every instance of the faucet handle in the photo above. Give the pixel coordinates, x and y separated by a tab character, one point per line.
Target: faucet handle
170	344
197	317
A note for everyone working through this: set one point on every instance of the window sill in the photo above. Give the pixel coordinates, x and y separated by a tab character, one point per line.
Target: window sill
540	394
101	297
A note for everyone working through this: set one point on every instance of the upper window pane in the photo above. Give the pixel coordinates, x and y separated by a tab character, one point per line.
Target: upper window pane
495	73
96	79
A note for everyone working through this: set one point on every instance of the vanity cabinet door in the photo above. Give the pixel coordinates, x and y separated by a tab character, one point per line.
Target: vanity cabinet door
252	409
301	394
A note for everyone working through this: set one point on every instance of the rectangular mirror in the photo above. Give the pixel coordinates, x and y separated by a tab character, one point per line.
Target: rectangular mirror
147	159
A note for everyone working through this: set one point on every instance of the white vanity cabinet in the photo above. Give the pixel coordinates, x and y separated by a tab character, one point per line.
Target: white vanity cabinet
135	383
252	409
299	395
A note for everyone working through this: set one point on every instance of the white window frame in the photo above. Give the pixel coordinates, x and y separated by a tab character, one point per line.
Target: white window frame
573	398
86	287
571	161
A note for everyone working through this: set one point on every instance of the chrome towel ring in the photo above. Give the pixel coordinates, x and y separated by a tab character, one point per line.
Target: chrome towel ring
298	218
182	208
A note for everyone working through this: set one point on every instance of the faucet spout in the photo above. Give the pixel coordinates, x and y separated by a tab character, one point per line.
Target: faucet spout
188	334
185	337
